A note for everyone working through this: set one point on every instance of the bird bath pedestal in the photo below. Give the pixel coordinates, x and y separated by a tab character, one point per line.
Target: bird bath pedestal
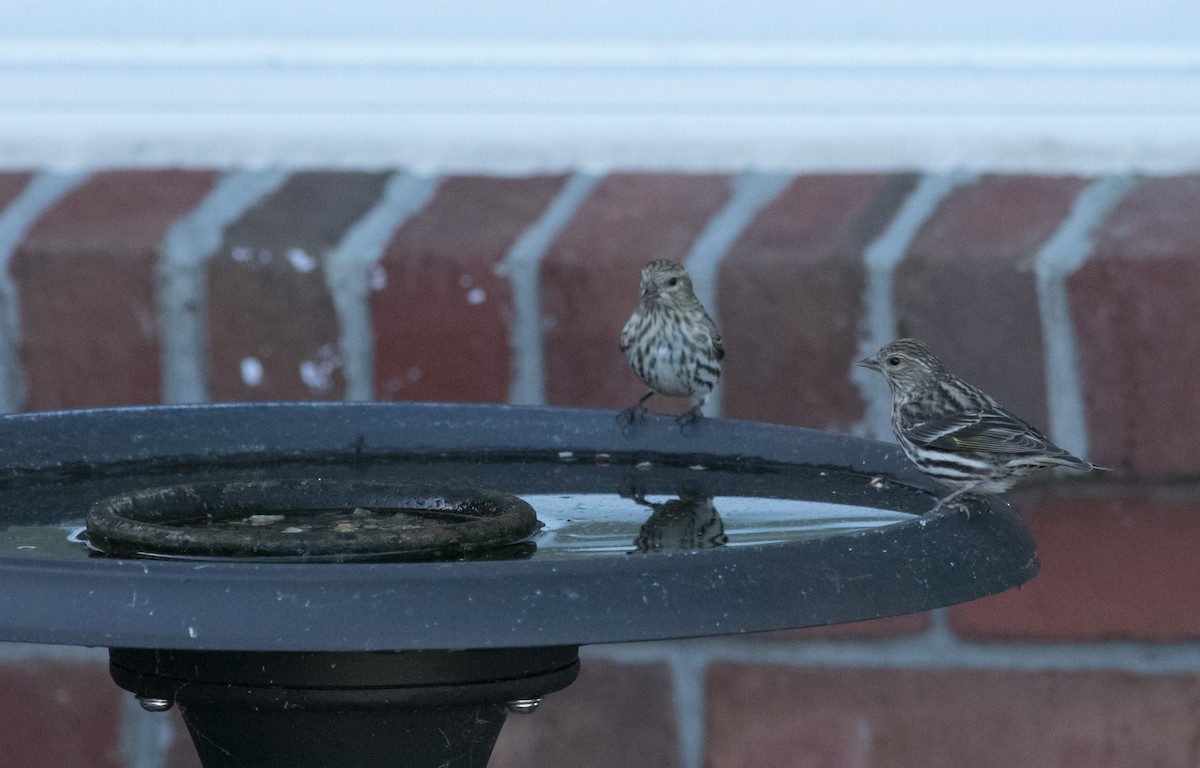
281	651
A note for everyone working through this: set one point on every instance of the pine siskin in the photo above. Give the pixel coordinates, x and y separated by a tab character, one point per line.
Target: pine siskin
954	432
671	342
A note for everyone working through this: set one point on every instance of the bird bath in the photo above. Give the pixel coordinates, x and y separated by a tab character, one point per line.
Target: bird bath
283	651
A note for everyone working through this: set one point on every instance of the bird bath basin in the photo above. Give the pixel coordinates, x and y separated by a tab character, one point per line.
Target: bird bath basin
284	650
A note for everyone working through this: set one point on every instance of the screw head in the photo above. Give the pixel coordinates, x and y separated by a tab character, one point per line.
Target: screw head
154	705
523	706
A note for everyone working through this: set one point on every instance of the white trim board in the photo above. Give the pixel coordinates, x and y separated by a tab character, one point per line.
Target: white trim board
513	108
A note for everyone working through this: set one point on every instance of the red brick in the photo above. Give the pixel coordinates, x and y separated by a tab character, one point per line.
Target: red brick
1119	565
876	629
967	286
791	300
613	715
85	276
443	314
267	297
590	279
1134	306
780	717
59	714
11	185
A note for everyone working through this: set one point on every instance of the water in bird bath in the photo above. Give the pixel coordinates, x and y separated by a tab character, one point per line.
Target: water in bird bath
587	506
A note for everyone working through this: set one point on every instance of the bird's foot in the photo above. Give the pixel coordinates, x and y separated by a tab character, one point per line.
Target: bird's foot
956	500
632	416
687	420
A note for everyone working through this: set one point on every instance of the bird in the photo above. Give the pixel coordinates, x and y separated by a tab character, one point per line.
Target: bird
957	434
671	341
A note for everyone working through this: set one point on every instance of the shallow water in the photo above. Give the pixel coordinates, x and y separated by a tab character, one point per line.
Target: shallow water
589	506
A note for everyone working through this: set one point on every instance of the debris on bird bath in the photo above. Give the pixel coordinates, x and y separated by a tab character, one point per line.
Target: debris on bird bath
312	520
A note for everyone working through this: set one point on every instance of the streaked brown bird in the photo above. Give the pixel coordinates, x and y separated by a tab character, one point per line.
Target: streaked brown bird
956	433
671	342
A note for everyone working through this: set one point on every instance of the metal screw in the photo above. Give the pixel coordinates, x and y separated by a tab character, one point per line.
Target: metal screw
155	705
523	706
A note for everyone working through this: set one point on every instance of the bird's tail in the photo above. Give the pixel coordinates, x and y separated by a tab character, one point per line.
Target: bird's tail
1074	462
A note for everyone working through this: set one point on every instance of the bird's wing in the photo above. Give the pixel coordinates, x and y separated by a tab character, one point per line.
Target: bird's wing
718	343
993	431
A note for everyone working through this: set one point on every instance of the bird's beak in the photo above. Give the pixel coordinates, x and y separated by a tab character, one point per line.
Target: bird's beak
869	362
649	290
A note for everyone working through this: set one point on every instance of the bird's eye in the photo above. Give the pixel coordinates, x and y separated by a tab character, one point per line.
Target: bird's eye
893	361
673	282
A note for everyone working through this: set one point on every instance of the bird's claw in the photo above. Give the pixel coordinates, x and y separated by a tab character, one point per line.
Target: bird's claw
945	504
688	418
633	415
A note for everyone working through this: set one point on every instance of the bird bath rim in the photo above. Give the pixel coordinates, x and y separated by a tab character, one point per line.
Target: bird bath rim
923	563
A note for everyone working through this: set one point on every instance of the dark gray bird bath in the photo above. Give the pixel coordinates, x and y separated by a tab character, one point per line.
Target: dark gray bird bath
408	646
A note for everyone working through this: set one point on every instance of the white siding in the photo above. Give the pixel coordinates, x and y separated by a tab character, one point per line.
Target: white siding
1019	84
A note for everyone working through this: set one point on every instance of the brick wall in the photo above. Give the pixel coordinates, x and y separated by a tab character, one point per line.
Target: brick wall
1076	301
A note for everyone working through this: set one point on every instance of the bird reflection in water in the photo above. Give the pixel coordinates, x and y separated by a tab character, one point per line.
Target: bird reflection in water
687	522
